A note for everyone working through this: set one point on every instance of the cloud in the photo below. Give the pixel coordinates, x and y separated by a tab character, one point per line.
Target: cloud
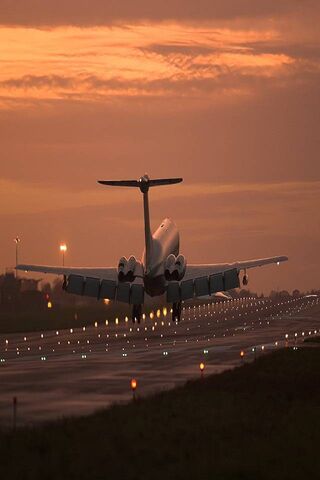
100	12
38	81
227	97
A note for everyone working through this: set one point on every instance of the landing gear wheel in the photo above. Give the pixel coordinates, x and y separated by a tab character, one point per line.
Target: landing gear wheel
136	313
176	311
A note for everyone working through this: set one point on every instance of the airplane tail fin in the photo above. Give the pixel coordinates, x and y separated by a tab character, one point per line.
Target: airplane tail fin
144	183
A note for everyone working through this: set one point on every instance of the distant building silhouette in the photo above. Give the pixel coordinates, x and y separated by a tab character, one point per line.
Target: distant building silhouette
20	293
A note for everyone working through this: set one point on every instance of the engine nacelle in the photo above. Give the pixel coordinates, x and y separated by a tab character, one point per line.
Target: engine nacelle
127	269
175	267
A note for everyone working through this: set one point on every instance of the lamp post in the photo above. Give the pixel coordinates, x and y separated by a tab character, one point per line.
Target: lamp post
63	249
17	240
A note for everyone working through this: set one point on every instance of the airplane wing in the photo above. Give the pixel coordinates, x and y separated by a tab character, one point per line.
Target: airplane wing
103	273
194	271
204	280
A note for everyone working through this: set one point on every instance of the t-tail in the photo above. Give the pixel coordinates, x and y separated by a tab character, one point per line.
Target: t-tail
144	183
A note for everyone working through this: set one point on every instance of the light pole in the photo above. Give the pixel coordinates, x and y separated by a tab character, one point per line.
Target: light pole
63	249
17	240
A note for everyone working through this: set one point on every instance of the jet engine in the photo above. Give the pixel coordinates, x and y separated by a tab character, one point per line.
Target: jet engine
127	269
175	267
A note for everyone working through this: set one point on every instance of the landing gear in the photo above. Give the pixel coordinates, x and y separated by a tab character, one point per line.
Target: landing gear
176	311
136	313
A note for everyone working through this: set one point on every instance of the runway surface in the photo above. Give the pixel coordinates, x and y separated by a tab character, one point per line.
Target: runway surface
74	372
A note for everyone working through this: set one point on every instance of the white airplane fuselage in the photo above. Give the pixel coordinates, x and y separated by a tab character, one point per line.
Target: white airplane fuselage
163	242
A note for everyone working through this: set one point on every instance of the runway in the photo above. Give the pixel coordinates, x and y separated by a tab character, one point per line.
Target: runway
74	372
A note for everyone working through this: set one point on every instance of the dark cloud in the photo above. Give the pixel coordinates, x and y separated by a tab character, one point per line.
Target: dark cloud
304	50
189	81
102	12
38	81
166	49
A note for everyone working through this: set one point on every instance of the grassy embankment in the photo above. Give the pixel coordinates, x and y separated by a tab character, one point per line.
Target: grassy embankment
259	421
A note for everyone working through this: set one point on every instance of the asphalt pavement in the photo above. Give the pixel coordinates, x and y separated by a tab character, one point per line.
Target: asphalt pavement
77	371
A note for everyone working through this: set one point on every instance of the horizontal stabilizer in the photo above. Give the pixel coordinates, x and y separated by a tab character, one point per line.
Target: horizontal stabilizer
120	183
144	183
164	181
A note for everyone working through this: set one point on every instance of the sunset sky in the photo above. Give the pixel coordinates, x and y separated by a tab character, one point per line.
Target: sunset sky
223	93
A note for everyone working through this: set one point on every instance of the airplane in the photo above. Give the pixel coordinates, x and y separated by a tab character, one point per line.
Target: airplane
161	270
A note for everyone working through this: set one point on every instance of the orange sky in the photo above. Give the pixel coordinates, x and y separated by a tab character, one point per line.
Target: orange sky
225	94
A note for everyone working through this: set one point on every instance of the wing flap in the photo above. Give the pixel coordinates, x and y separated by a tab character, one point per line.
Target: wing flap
204	280
202	286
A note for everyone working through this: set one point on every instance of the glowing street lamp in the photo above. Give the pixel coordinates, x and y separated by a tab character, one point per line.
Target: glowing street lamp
63	249
201	366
